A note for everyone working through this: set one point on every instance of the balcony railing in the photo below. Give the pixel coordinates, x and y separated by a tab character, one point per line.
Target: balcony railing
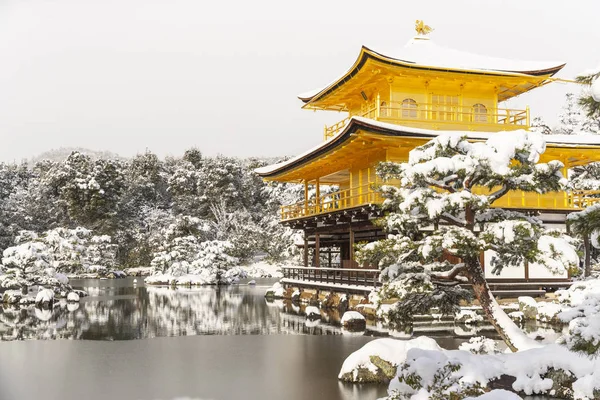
450	116
340	200
333	276
367	194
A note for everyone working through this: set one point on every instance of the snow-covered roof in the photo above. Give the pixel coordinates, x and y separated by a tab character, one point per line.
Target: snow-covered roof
421	52
400	130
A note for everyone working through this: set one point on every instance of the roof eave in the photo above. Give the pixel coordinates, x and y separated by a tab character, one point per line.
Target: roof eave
366	53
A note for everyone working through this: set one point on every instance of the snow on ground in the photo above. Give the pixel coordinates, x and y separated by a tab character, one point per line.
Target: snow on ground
210	276
499	394
543	311
421	361
261	269
391	350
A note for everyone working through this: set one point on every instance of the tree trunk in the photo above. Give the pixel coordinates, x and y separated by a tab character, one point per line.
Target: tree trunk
588	262
512	335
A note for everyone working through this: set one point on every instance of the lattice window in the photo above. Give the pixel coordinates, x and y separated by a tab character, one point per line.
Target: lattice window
480	113
444	107
409	108
383	110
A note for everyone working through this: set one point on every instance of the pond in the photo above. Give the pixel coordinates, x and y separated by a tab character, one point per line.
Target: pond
139	342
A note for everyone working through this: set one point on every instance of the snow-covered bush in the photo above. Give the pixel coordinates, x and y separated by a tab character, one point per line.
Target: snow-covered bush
421	370
581	304
480	345
209	260
65	250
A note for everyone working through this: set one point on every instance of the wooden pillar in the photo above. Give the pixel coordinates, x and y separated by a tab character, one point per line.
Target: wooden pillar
351	242
305	249
360	186
305	197
350	201
318	195
317	251
329	258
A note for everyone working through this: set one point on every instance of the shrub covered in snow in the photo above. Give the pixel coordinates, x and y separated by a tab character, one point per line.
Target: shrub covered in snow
480	345
581	309
209	261
65	250
424	371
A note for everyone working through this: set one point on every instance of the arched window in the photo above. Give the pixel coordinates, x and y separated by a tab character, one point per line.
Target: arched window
383	110
480	113
409	108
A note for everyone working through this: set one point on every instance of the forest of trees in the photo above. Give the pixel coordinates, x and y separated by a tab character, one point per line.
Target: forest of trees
81	214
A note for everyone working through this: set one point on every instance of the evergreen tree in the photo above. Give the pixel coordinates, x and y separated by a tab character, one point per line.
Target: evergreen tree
436	190
586	224
590	99
573	121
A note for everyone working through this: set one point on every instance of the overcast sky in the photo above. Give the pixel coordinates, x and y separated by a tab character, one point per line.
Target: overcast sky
131	75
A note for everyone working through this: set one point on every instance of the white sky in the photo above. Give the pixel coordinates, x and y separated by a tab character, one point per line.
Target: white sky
130	75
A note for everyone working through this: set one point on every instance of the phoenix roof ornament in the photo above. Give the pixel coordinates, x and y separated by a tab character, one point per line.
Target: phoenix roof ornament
421	28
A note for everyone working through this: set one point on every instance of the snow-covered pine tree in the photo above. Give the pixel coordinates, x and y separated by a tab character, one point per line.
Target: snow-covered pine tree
574	121
586	224
434	216
539	125
590	99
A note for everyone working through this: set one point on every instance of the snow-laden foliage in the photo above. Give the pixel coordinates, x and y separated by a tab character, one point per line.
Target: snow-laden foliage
419	369
590	98
575	119
480	345
146	206
586	224
581	304
44	259
439	222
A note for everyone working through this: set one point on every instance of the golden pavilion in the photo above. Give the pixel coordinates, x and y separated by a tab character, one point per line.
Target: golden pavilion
395	103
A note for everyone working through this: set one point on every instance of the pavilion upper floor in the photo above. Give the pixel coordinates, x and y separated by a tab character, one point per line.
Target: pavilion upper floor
428	86
340	174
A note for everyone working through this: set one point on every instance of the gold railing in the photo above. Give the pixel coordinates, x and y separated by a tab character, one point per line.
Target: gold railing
367	194
460	116
340	200
369	110
584	198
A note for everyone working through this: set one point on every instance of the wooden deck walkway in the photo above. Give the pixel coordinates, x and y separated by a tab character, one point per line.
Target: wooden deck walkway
363	280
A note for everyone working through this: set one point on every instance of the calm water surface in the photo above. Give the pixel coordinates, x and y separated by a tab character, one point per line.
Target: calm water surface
242	346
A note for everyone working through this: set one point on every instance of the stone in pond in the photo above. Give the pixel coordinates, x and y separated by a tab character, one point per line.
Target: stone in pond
354	321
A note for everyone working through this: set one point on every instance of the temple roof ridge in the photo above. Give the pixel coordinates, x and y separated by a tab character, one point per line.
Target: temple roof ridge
422	52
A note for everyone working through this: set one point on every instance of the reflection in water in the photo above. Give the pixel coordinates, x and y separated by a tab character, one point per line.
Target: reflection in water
117	310
303	355
123	309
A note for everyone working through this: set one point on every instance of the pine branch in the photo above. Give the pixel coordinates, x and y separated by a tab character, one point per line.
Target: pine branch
452	275
498	194
440	185
453	220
